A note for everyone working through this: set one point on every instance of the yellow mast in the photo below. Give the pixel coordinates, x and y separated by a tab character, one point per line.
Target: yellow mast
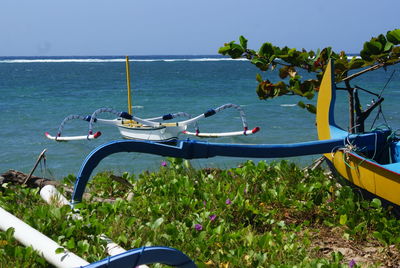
128	82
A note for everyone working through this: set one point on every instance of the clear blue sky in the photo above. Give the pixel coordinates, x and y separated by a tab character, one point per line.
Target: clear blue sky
155	27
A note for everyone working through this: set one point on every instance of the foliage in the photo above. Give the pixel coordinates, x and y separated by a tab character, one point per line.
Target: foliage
379	52
255	215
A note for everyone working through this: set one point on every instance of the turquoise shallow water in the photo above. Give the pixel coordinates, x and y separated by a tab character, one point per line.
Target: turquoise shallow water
37	93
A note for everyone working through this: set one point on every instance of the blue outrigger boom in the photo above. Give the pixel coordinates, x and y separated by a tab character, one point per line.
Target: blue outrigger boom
145	255
192	149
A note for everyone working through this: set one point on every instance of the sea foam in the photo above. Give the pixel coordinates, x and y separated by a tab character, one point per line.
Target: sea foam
105	60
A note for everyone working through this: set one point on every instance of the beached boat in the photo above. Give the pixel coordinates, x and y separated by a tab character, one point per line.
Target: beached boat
375	168
152	129
368	160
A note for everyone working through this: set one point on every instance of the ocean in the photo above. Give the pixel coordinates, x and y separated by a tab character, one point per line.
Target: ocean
37	93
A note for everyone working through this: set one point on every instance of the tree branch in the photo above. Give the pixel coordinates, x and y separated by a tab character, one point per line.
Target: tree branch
372	68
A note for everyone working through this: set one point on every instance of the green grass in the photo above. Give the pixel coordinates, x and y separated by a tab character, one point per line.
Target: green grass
255	215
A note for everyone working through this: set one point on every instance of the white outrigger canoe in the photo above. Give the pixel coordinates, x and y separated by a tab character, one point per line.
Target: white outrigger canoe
153	129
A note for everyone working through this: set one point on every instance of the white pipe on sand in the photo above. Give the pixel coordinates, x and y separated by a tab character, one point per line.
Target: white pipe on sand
51	195
112	248
46	247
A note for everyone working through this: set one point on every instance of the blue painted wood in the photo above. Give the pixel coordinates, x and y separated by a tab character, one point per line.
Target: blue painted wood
145	255
192	149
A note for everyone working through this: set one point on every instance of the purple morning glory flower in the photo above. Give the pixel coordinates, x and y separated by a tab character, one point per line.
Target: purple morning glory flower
198	227
163	164
352	263
212	217
228	201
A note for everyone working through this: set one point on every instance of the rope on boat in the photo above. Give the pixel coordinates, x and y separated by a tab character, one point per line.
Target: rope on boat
211	112
349	147
227	106
93	117
237	107
68	118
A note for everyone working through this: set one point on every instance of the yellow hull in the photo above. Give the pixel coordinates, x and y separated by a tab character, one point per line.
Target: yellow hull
367	175
382	180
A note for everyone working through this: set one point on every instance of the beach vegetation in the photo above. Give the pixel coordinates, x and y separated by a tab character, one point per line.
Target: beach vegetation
255	215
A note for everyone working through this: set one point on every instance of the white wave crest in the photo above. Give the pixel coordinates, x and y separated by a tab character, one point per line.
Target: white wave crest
100	60
58	60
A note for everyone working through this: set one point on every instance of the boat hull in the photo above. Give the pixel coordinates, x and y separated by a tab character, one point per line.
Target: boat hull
380	180
379	173
161	134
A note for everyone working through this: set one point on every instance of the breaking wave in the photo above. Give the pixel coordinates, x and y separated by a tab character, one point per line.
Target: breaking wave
112	59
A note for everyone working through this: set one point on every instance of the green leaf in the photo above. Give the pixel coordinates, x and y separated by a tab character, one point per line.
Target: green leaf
365	55
60	250
262	64
373	46
388	47
71	243
259	78
9	233
284	71
232	49
260	92
218	230
266	50
378	235
396	51
394	36
301	104
311	108
309	95
381	39
224	50
122	238
341	65
236	51
343	219
356	63
376	203
157	223
243	42
79	206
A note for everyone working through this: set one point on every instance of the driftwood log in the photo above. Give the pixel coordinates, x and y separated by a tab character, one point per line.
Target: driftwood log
18	177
